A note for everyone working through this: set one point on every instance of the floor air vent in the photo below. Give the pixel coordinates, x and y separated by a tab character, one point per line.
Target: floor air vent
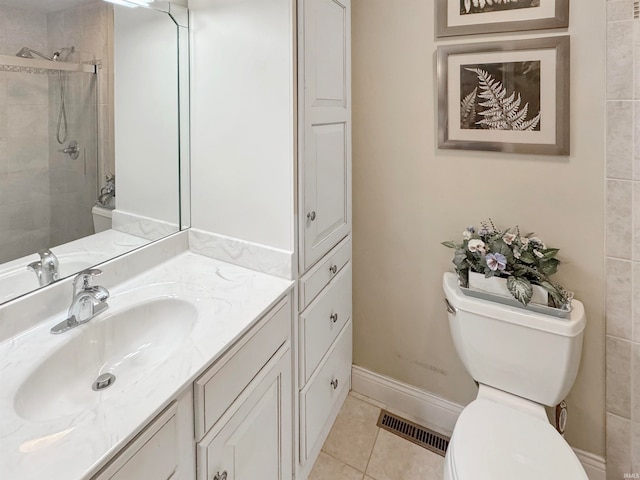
413	432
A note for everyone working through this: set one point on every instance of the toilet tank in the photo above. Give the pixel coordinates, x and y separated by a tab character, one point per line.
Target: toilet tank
532	355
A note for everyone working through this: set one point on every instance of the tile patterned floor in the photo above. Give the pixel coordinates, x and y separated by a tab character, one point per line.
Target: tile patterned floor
357	449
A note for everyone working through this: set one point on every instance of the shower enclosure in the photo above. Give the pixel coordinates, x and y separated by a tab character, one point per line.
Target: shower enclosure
49	178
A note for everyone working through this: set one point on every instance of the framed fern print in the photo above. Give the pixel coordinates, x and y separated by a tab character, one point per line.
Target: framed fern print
466	17
510	96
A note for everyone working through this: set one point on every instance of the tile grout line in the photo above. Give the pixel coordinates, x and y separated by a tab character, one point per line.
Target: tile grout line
371	453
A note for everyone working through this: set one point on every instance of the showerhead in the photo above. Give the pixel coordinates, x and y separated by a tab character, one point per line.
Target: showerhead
26	52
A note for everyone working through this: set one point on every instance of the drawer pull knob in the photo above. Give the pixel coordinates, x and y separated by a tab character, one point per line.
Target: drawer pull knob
333	269
334	317
334	384
311	216
221	476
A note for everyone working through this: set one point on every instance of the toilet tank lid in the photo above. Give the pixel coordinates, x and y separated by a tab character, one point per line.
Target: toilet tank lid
571	326
494	441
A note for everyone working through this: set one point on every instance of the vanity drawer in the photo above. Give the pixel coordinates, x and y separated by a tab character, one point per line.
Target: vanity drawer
312	283
319	397
153	455
220	385
322	321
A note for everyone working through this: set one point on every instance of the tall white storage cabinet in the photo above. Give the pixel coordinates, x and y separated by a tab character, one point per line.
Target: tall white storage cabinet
324	253
271	174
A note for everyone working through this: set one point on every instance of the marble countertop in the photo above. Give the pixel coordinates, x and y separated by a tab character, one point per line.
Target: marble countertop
229	299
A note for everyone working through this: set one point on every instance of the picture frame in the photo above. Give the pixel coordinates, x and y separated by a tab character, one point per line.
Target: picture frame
468	17
510	96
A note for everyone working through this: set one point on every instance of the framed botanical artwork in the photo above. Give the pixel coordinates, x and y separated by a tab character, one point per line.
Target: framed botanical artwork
466	17
510	96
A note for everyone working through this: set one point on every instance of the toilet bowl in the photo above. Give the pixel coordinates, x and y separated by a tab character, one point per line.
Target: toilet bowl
101	218
522	361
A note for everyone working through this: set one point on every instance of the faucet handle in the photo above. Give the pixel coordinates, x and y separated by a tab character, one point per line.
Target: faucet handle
85	277
49	261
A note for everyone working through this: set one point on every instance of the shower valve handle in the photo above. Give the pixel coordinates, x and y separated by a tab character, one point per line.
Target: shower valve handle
73	150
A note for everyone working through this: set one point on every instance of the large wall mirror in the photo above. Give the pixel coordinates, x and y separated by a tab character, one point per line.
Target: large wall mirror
93	134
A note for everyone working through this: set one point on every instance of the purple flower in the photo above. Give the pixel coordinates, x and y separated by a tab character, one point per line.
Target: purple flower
496	261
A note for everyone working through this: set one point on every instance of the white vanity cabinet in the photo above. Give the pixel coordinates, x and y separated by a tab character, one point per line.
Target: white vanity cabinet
243	407
234	422
164	450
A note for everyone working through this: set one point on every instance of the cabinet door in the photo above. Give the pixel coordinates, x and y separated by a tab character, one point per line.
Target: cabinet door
254	439
325	126
164	450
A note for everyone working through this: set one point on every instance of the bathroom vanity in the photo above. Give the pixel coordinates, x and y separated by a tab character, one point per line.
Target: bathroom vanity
195	344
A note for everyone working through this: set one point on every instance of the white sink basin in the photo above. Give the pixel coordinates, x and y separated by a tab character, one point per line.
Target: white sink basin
129	344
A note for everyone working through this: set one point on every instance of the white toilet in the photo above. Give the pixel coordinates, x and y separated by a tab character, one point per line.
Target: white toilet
522	361
101	218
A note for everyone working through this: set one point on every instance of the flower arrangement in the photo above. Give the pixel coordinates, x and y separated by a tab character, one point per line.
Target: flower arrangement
524	260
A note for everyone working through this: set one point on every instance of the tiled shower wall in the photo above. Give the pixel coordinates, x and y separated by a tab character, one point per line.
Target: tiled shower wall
623	241
24	149
45	197
74	183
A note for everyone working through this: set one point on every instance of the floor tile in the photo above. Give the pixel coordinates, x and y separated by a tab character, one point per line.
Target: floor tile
394	458
354	433
328	468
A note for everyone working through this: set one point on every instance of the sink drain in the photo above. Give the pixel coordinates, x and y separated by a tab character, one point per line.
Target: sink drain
104	381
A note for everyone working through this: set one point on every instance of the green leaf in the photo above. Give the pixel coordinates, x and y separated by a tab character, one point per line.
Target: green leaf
554	291
520	288
550	253
460	259
549	267
449	244
527	257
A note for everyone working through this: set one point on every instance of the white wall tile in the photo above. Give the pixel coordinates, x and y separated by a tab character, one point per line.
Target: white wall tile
619	219
618	360
620	60
618	447
620	140
619	299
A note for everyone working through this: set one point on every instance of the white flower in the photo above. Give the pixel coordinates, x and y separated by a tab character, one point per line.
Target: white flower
476	245
525	242
509	238
466	235
538	243
538	254
516	253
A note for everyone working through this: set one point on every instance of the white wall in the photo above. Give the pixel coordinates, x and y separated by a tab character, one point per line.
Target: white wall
145	109
242	155
408	196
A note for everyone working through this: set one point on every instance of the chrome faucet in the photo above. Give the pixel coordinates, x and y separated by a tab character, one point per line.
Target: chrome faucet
88	301
46	269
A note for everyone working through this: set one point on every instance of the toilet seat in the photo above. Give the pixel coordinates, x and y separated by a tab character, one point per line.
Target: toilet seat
492	441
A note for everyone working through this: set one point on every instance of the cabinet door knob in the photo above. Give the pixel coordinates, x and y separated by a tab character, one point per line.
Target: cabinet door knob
221	476
333	269
334	384
334	317
311	216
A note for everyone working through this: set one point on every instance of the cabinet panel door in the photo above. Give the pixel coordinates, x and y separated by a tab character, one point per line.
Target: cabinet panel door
325	127
254	440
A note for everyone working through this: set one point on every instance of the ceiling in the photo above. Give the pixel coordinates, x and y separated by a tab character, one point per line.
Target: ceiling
44	5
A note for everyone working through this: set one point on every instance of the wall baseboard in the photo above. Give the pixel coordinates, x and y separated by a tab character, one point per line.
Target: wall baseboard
435	412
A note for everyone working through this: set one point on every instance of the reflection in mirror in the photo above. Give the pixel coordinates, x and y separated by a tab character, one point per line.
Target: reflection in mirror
91	139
